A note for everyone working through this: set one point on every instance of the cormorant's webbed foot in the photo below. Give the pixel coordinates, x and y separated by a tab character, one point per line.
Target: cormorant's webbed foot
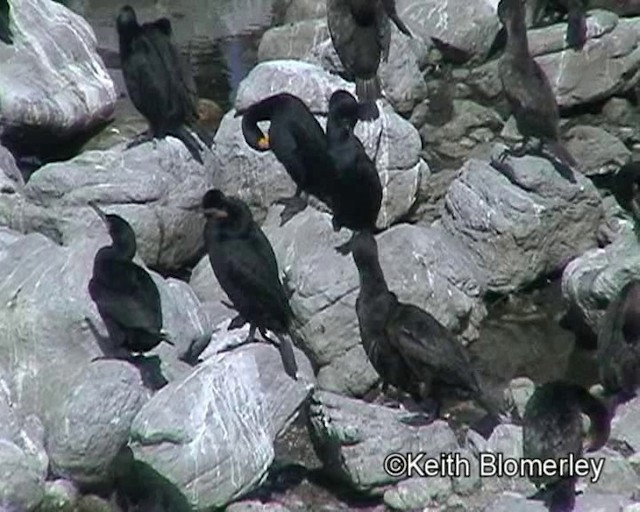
292	206
141	138
236	323
503	167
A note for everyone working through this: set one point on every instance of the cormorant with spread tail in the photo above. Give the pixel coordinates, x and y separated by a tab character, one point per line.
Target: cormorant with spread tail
157	81
528	91
298	142
407	346
357	196
553	429
126	296
619	343
245	265
361	35
6	36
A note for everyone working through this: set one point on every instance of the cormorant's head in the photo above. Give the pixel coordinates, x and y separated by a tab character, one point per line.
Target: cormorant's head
508	9
229	213
344	107
127	22
215	205
120	231
254	136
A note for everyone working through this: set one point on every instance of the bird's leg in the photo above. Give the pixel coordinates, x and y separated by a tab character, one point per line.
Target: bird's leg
251	337
141	138
292	206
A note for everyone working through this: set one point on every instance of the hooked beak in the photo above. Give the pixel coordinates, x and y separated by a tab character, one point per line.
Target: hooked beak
263	142
99	212
215	213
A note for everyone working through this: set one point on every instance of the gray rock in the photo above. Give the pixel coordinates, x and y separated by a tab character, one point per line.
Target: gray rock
40	324
151	185
10	178
617	477
353	439
21	479
467	483
625	425
621	7
597	502
518	393
596	151
92	425
256	506
507	440
224	416
593	280
292	41
510	501
259	179
418	493
299	10
516	234
59	496
634	507
51	77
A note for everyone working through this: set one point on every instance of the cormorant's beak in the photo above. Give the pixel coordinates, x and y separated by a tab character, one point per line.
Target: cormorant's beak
101	214
238	113
263	142
216	213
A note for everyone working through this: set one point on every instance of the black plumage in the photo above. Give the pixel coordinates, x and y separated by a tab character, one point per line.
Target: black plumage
407	346
528	90
245	265
357	195
619	343
361	35
626	188
298	142
157	80
553	429
6	36
576	35
125	294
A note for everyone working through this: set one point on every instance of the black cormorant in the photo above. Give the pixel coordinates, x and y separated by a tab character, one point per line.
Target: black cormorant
357	196
125	294
619	343
407	346
361	35
528	90
553	429
157	81
626	188
245	265
6	36
298	142
576	35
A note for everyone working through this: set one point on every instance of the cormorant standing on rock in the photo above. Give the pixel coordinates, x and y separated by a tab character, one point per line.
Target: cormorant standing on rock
528	91
553	429
619	343
6	36
126	296
298	142
576	35
407	346
361	34
626	189
246	268
357	196
157	82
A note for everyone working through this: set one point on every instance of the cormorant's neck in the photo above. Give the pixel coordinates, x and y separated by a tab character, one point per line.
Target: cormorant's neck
261	111
124	249
372	282
236	226
517	43
337	130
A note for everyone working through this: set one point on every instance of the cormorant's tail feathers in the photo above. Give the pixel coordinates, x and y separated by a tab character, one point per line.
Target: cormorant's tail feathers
189	141
288	357
576	35
368	90
565	160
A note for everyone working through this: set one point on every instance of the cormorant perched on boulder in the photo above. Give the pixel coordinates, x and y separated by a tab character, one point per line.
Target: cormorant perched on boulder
246	268
298	142
6	36
126	296
619	343
553	429
357	196
361	35
157	81
529	92
407	346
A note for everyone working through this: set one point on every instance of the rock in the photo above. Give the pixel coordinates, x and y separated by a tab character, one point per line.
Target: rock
59	496
259	179
467	483
593	280
518	393
292	41
83	438
43	290
256	506
596	151
354	438
617	477
417	493
226	414
625	425
151	185
21	478
621	7
517	234
298	10
596	502
450	22
54	84
507	440
635	507
10	178
510	501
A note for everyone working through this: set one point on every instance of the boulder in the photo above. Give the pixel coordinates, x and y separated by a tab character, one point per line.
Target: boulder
259	179
152	186
54	85
625	426
596	151
291	11
354	440
292	41
516	233
211	434
21	478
